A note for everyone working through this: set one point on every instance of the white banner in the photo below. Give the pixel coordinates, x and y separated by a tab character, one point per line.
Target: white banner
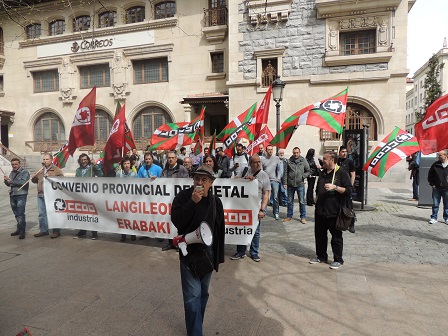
143	207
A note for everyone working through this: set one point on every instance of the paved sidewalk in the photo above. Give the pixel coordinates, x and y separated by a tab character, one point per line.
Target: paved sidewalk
393	281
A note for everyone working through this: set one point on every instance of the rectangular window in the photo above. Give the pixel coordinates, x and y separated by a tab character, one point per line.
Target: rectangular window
217	62
358	42
151	71
268	71
46	81
95	75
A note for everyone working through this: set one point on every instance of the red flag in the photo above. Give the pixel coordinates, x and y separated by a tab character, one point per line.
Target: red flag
395	147
82	132
262	114
115	142
264	138
432	130
240	127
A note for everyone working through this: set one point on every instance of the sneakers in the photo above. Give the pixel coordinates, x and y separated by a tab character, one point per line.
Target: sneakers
276	217
287	219
433	221
335	265
446	221
238	255
316	261
303	220
255	258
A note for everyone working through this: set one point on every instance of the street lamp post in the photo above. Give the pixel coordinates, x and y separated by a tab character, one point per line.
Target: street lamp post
277	94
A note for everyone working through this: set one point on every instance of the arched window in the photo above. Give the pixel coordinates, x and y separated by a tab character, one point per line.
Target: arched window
33	31
107	19
81	23
147	121
165	9
135	14
103	124
49	131
56	27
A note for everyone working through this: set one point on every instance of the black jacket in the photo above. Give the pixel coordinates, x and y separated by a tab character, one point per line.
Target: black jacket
187	215
438	176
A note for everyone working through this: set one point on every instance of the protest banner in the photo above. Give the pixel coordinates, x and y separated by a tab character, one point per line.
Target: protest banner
143	207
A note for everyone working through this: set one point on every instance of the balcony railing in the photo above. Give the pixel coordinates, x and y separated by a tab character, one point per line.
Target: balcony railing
9	155
215	17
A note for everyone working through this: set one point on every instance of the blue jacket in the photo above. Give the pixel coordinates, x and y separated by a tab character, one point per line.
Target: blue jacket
18	178
153	170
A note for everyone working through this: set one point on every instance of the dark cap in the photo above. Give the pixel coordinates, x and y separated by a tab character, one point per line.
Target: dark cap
204	170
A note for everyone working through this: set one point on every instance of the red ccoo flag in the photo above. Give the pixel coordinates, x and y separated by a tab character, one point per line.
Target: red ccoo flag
82	132
115	142
262	114
432	130
264	138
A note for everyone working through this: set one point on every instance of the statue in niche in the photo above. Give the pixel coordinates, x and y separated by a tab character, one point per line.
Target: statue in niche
119	71
382	33
333	38
66	80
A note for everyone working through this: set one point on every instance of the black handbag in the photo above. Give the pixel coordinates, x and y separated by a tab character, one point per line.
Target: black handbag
346	214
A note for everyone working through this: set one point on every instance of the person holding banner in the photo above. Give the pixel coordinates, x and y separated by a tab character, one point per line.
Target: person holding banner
191	207
18	181
126	172
173	169
48	169
264	190
87	169
332	187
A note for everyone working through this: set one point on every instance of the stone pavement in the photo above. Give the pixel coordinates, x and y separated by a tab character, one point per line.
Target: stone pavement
393	281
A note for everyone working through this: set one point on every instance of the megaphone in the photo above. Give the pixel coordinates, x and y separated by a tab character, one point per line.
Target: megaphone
202	235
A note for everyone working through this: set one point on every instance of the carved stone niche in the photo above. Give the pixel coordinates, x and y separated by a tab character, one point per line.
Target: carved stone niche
262	12
380	22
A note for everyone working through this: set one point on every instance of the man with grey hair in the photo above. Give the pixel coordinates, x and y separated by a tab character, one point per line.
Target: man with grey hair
18	182
438	180
48	169
172	170
264	189
271	165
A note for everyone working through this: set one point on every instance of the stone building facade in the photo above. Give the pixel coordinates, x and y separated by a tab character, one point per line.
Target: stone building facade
165	59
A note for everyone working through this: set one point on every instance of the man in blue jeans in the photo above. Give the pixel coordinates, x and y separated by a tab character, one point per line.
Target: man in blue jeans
191	207
264	190
18	182
296	171
438	180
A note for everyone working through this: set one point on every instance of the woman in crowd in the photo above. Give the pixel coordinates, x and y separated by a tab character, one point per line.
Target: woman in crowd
211	161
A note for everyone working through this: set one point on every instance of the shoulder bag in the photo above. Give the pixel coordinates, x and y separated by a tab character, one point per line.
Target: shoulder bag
346	214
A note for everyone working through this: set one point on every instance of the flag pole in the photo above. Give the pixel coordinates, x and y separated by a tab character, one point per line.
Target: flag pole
91	164
2	171
30	179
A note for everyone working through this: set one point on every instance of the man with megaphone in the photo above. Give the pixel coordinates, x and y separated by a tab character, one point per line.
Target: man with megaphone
198	216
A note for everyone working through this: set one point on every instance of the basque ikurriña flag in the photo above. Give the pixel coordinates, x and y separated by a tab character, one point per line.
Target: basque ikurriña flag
174	135
328	114
432	130
61	157
395	147
82	132
240	127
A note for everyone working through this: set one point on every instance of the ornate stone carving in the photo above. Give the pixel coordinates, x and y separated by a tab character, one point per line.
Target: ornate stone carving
382	33
119	75
66	81
358	22
333	38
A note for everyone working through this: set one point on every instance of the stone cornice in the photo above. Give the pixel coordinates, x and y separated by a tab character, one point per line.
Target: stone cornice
43	63
99	32
334	8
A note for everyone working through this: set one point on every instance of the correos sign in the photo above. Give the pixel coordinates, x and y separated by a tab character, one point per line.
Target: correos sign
96	44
